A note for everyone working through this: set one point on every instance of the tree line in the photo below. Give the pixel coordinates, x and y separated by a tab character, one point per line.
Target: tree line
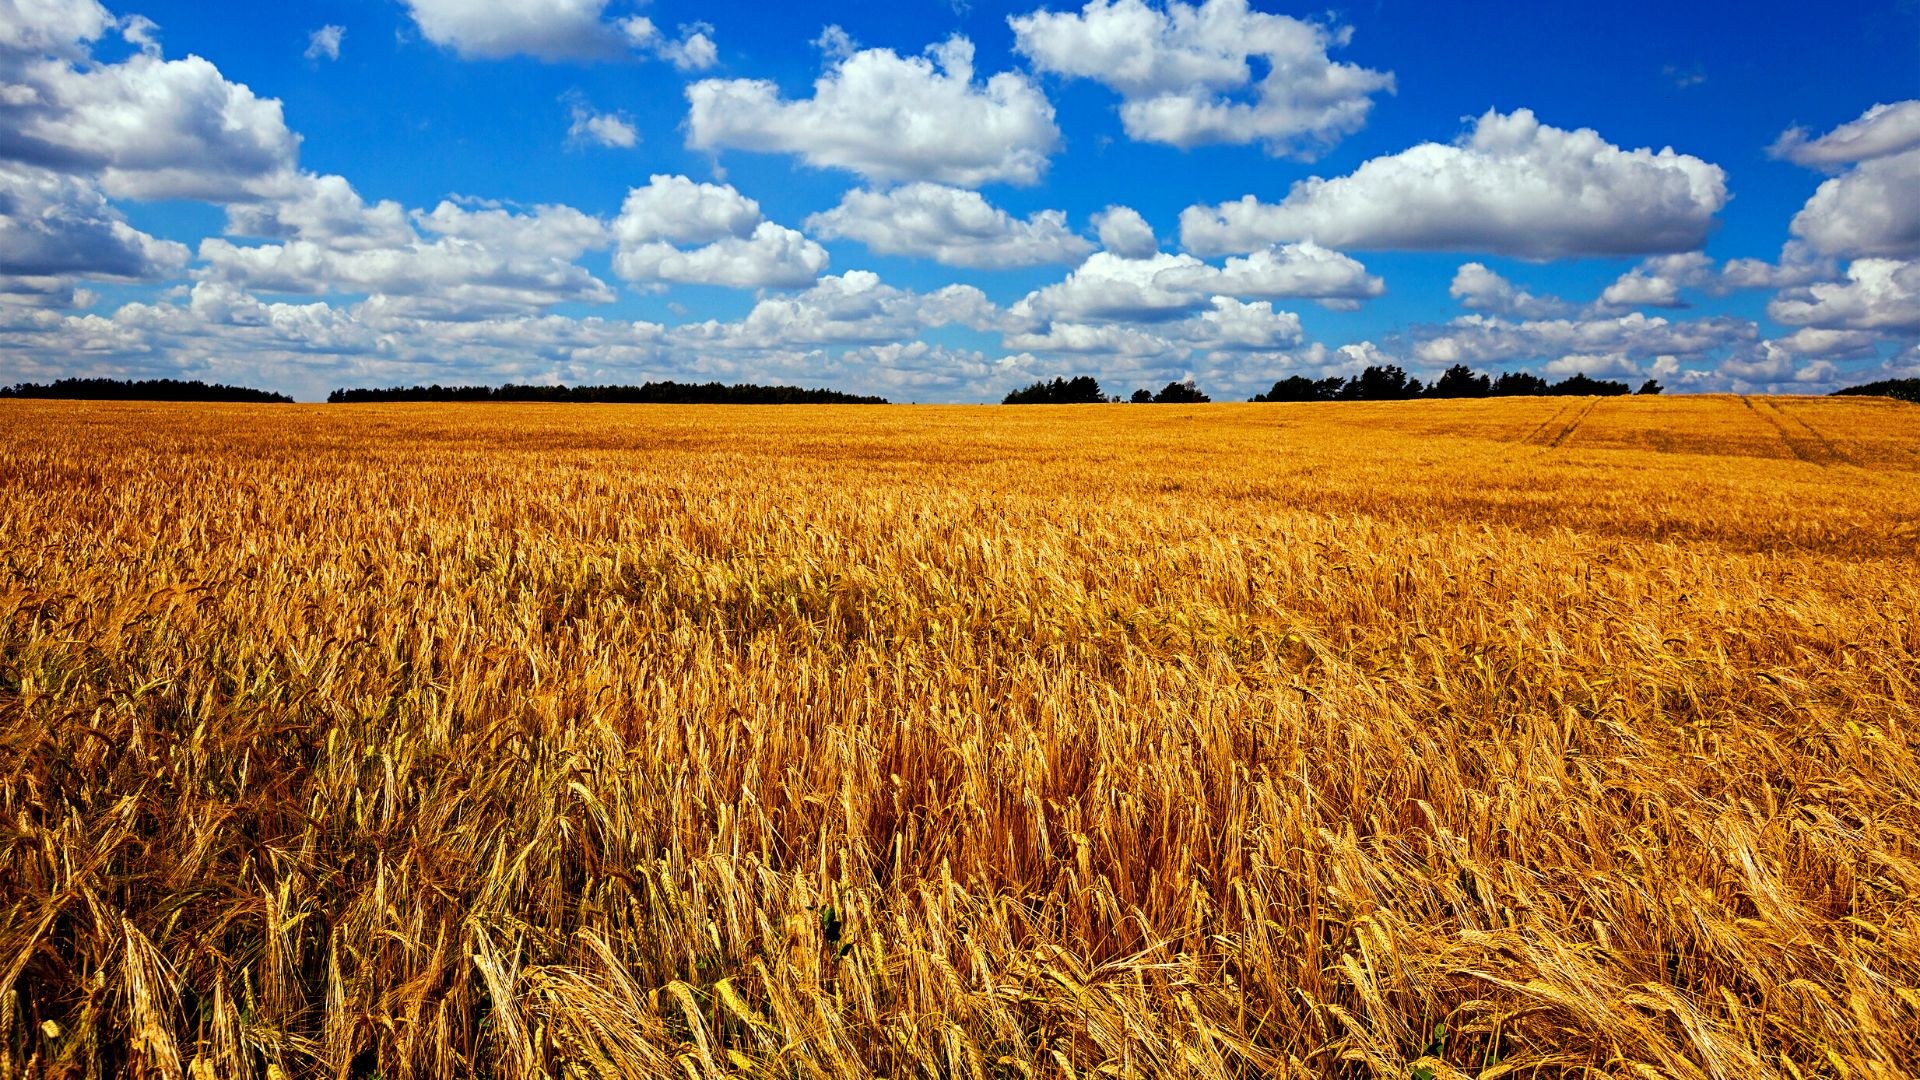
1381	383
140	390
653	393
1085	390
1388	382
1904	389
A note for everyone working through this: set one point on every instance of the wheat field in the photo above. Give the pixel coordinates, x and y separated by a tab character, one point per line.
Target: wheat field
1521	737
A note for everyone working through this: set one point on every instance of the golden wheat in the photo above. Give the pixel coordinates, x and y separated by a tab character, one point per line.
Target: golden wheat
1414	740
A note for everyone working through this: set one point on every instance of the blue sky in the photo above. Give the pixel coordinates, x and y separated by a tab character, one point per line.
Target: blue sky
938	201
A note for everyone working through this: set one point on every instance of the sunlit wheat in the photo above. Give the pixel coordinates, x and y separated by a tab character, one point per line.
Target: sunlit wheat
1519	737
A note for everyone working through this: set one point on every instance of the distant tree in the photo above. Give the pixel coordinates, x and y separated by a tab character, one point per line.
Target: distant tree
1180	393
1291	388
1651	387
1518	384
1903	389
1582	386
1384	383
1459	381
1141	396
141	390
1081	390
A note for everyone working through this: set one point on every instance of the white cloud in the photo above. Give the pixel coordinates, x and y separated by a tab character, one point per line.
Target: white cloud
1125	233
852	308
1776	364
1108	288
56	228
602	129
33	28
323	209
142	33
1880	131
678	210
1879	294
1798	265
325	42
1232	325
220	332
1657	282
546	29
951	226
547	232
888	118
1511	186
1184	76
480	262
1596	366
677	230
555	30
1304	270
694	51
1318	359
1482	340
1227	325
1480	289
771	256
1872	209
152	128
1814	343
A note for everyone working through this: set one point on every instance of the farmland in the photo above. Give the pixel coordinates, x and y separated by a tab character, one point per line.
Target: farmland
1509	737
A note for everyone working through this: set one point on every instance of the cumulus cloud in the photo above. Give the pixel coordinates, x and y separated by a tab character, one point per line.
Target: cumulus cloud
1125	233
1350	359
474	261
1483	340
151	128
1657	282
555	30
1797	265
33	28
693	50
220	332
1803	357
54	228
1480	289
1880	131
1227	325
1109	288
677	230
854	308
1871	209
1878	295
951	226
1304	270
589	127
889	118
325	42
1511	186
1598	366
323	209
1185	79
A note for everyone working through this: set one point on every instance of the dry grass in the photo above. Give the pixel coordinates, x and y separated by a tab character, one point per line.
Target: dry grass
1524	737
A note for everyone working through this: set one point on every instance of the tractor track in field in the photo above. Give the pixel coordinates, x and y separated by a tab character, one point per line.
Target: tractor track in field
1577	420
1834	453
1533	438
1809	446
